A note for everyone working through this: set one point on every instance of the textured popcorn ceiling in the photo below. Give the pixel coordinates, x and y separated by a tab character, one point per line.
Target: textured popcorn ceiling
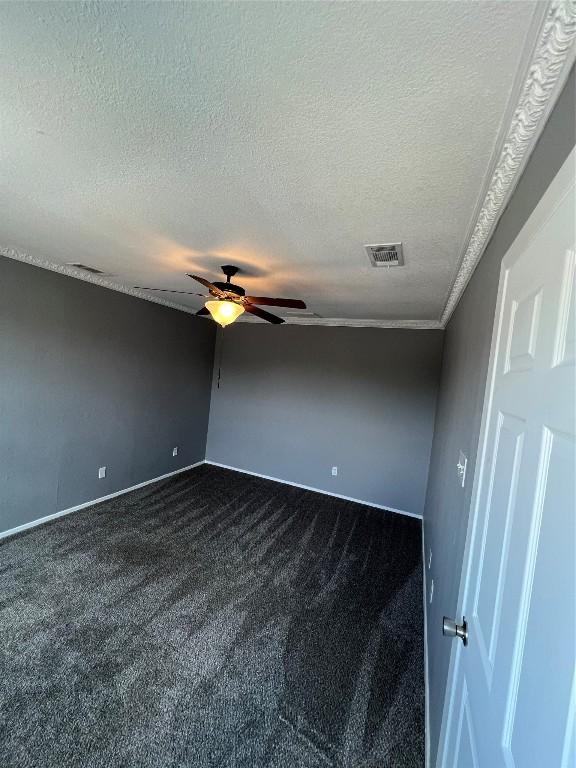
151	139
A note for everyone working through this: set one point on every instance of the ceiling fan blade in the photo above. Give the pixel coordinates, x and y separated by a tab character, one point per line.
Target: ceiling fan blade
270	302
202	312
207	284
166	290
262	314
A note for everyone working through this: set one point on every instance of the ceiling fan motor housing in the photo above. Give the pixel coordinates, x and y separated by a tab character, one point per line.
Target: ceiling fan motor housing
231	287
230	270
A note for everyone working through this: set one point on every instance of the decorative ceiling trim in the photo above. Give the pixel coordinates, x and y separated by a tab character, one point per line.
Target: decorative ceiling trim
347	322
548	68
103	282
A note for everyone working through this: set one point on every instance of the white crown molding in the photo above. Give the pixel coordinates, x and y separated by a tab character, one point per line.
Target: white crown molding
346	322
548	68
101	280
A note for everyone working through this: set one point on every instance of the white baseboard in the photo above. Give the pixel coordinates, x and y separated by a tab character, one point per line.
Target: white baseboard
34	523
426	679
62	512
316	490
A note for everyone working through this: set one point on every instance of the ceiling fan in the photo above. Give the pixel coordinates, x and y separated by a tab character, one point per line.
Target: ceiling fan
230	301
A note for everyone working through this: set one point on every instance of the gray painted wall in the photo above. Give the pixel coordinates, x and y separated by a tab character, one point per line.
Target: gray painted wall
88	378
464	372
296	400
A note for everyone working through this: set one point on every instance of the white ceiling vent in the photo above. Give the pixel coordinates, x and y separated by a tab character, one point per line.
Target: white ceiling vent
85	268
385	255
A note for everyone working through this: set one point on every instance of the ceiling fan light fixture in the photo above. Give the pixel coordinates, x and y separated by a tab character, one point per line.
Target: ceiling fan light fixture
224	311
230	301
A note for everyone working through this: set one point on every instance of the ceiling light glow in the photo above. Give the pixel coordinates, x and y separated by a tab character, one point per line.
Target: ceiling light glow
224	311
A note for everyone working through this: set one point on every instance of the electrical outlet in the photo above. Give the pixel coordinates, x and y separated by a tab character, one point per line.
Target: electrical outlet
461	468
334	471
431	591
101	473
175	451
430	558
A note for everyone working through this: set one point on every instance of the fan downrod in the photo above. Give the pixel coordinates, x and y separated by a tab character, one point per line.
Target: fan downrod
229	271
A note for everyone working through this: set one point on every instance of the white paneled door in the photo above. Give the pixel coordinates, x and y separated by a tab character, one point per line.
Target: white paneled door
510	701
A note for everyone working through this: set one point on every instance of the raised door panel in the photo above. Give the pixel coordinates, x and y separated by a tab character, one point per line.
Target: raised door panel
465	753
564	353
495	543
541	680
523	333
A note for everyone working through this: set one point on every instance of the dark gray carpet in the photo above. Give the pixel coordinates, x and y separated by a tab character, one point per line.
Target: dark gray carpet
213	619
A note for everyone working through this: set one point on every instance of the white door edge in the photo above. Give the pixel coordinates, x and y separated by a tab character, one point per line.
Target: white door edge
552	198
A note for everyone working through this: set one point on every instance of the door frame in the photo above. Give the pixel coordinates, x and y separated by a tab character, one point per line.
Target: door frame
559	187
